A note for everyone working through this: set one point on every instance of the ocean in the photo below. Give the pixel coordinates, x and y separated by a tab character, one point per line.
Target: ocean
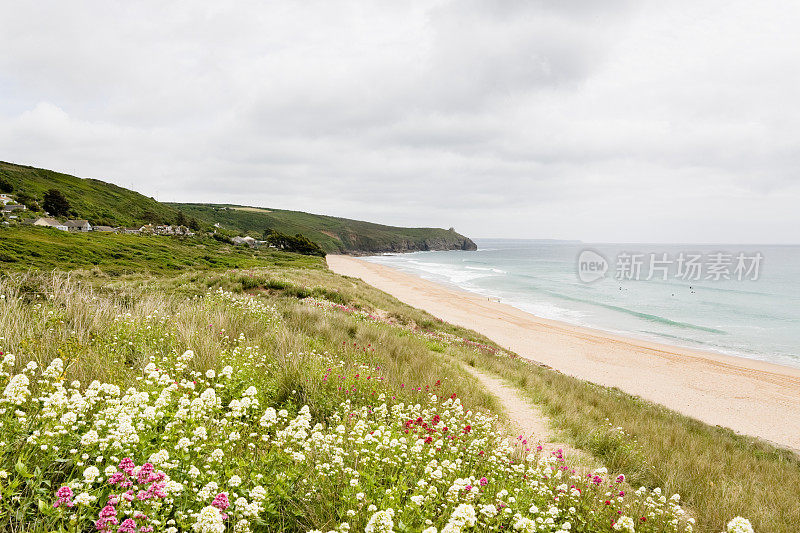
739	300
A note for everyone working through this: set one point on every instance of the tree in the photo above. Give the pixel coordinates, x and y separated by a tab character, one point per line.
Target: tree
5	186
55	203
181	219
28	201
298	244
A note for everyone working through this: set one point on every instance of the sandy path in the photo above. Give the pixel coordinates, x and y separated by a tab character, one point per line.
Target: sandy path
748	396
524	419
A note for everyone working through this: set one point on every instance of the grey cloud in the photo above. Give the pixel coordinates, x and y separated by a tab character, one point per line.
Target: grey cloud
524	119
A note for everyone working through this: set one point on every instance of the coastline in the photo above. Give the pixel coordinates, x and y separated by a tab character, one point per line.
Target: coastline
749	396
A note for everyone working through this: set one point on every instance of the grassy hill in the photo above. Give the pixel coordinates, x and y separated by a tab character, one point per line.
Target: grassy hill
28	247
106	204
97	201
333	234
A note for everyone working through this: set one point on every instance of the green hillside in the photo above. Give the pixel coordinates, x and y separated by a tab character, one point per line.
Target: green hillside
97	201
27	247
333	234
107	204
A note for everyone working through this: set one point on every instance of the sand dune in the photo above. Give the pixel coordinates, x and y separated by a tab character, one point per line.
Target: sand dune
748	396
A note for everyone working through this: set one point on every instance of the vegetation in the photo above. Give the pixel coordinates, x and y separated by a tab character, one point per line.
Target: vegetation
217	410
299	320
110	205
333	234
94	200
55	203
297	244
25	247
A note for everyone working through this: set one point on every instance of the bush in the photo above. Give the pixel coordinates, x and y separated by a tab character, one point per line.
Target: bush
298	244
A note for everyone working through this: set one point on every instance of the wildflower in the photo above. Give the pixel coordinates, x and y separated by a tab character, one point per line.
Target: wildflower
64	495
739	525
463	516
127	526
221	501
625	523
381	522
90	474
16	392
209	521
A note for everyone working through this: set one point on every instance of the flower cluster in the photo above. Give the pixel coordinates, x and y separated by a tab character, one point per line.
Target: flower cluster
209	449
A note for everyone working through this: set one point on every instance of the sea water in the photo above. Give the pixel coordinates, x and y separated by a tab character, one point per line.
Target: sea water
741	300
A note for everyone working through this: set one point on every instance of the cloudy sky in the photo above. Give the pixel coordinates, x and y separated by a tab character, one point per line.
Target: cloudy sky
602	121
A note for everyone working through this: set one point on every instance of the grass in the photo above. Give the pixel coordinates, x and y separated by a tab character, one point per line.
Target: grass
100	202
25	247
718	473
333	234
104	203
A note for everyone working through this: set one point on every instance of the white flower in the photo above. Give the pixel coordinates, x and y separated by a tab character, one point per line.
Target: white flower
740	525
210	374
381	522
235	481
17	390
463	516
625	523
84	498
418	499
209	521
90	474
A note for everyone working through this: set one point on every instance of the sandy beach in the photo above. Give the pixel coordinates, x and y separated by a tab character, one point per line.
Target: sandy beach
751	397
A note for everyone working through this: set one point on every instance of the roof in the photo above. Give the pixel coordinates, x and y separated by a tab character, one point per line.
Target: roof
48	221
76	223
103	228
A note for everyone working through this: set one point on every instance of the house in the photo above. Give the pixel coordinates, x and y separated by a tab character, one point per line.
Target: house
6	199
50	223
131	231
78	225
249	241
10	208
107	229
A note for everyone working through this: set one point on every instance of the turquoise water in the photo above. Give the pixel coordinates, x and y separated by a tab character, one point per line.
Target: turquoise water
755	318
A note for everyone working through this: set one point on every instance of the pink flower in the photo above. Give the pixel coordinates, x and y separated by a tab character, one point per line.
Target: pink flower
127	465
221	501
484	482
127	526
64	495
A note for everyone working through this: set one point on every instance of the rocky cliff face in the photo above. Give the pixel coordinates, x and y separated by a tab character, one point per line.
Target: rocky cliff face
457	242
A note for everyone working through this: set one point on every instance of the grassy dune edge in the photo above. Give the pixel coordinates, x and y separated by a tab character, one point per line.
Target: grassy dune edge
288	398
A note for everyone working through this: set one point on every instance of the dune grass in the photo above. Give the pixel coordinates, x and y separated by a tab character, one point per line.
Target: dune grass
718	474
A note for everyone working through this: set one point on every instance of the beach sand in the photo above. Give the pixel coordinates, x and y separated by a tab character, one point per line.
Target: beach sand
751	397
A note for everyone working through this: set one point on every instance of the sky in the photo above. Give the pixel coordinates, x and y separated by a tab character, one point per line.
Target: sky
613	121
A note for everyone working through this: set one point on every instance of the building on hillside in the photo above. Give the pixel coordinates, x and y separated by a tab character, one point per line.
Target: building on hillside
131	231
106	229
249	241
6	199
9	208
50	223
78	225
